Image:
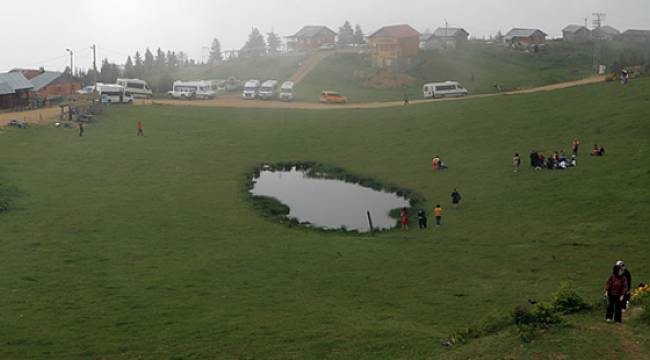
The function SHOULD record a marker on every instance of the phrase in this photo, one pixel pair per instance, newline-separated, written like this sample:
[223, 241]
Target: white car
[86, 90]
[192, 90]
[328, 46]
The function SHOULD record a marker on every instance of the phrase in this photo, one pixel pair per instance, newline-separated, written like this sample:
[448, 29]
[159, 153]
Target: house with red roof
[394, 46]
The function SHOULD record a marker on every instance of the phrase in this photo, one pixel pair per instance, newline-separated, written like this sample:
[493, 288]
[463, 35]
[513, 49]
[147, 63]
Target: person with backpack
[438, 212]
[455, 198]
[422, 219]
[628, 276]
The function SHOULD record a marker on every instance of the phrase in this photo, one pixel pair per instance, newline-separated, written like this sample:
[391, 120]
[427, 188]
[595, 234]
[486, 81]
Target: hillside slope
[124, 247]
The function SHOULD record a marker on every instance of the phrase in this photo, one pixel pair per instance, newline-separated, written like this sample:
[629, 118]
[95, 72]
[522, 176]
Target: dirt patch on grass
[39, 116]
[384, 79]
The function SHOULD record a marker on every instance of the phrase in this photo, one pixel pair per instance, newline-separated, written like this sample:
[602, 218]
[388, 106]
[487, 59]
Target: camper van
[251, 87]
[442, 89]
[192, 90]
[113, 94]
[137, 87]
[286, 91]
[269, 90]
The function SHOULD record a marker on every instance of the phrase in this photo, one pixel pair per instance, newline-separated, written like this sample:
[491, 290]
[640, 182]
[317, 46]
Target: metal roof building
[44, 79]
[14, 81]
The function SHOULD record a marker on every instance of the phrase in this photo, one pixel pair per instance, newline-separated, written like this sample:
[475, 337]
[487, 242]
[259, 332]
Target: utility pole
[94, 49]
[71, 68]
[71, 71]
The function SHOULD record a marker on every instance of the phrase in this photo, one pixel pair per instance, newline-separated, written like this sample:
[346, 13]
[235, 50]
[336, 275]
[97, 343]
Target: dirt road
[49, 115]
[234, 101]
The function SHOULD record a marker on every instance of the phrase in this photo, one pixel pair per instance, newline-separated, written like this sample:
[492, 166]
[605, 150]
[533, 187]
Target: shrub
[567, 301]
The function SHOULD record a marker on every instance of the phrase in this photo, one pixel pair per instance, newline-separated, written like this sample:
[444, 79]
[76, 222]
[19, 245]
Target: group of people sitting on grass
[558, 160]
[598, 151]
[437, 163]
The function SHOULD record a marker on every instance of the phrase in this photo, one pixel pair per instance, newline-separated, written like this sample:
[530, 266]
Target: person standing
[628, 277]
[81, 129]
[139, 126]
[516, 162]
[405, 219]
[438, 212]
[615, 289]
[455, 198]
[575, 144]
[422, 219]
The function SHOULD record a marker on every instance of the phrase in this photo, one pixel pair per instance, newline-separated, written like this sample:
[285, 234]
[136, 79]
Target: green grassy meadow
[119, 247]
[477, 66]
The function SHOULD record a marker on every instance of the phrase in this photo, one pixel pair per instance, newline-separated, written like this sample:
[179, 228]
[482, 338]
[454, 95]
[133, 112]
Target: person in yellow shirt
[438, 212]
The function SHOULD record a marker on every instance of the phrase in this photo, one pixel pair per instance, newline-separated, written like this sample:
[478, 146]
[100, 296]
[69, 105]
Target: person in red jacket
[405, 219]
[615, 289]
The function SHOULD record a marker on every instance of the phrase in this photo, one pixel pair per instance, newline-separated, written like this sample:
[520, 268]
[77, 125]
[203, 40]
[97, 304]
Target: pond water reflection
[328, 203]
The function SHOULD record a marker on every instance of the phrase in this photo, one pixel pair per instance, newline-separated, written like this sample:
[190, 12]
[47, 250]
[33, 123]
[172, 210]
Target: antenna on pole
[599, 19]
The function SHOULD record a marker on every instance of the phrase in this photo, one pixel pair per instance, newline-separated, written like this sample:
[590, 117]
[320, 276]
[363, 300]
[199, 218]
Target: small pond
[328, 203]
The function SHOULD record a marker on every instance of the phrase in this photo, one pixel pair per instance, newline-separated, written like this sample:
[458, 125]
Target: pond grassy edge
[274, 209]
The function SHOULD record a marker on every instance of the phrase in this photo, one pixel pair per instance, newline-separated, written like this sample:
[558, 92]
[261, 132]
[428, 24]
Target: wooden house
[576, 33]
[524, 38]
[15, 90]
[311, 37]
[394, 46]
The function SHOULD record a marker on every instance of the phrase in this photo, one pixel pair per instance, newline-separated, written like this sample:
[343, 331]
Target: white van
[441, 89]
[286, 91]
[269, 90]
[192, 90]
[251, 87]
[113, 94]
[137, 87]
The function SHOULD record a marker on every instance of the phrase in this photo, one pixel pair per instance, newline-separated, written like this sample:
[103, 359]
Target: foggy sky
[36, 33]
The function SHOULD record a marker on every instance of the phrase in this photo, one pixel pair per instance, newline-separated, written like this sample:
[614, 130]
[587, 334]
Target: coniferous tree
[129, 68]
[346, 34]
[148, 62]
[273, 41]
[160, 61]
[138, 66]
[215, 52]
[255, 46]
[359, 37]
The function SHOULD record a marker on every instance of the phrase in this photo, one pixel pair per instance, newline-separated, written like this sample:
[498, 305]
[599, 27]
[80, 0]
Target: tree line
[157, 68]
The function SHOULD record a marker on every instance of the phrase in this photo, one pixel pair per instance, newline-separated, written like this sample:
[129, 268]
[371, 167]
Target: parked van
[442, 89]
[269, 90]
[332, 97]
[137, 87]
[192, 90]
[113, 94]
[286, 91]
[251, 87]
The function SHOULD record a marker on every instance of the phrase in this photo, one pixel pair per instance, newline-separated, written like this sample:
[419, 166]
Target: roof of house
[574, 28]
[607, 30]
[14, 81]
[396, 31]
[6, 89]
[637, 32]
[523, 33]
[448, 32]
[313, 30]
[44, 79]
